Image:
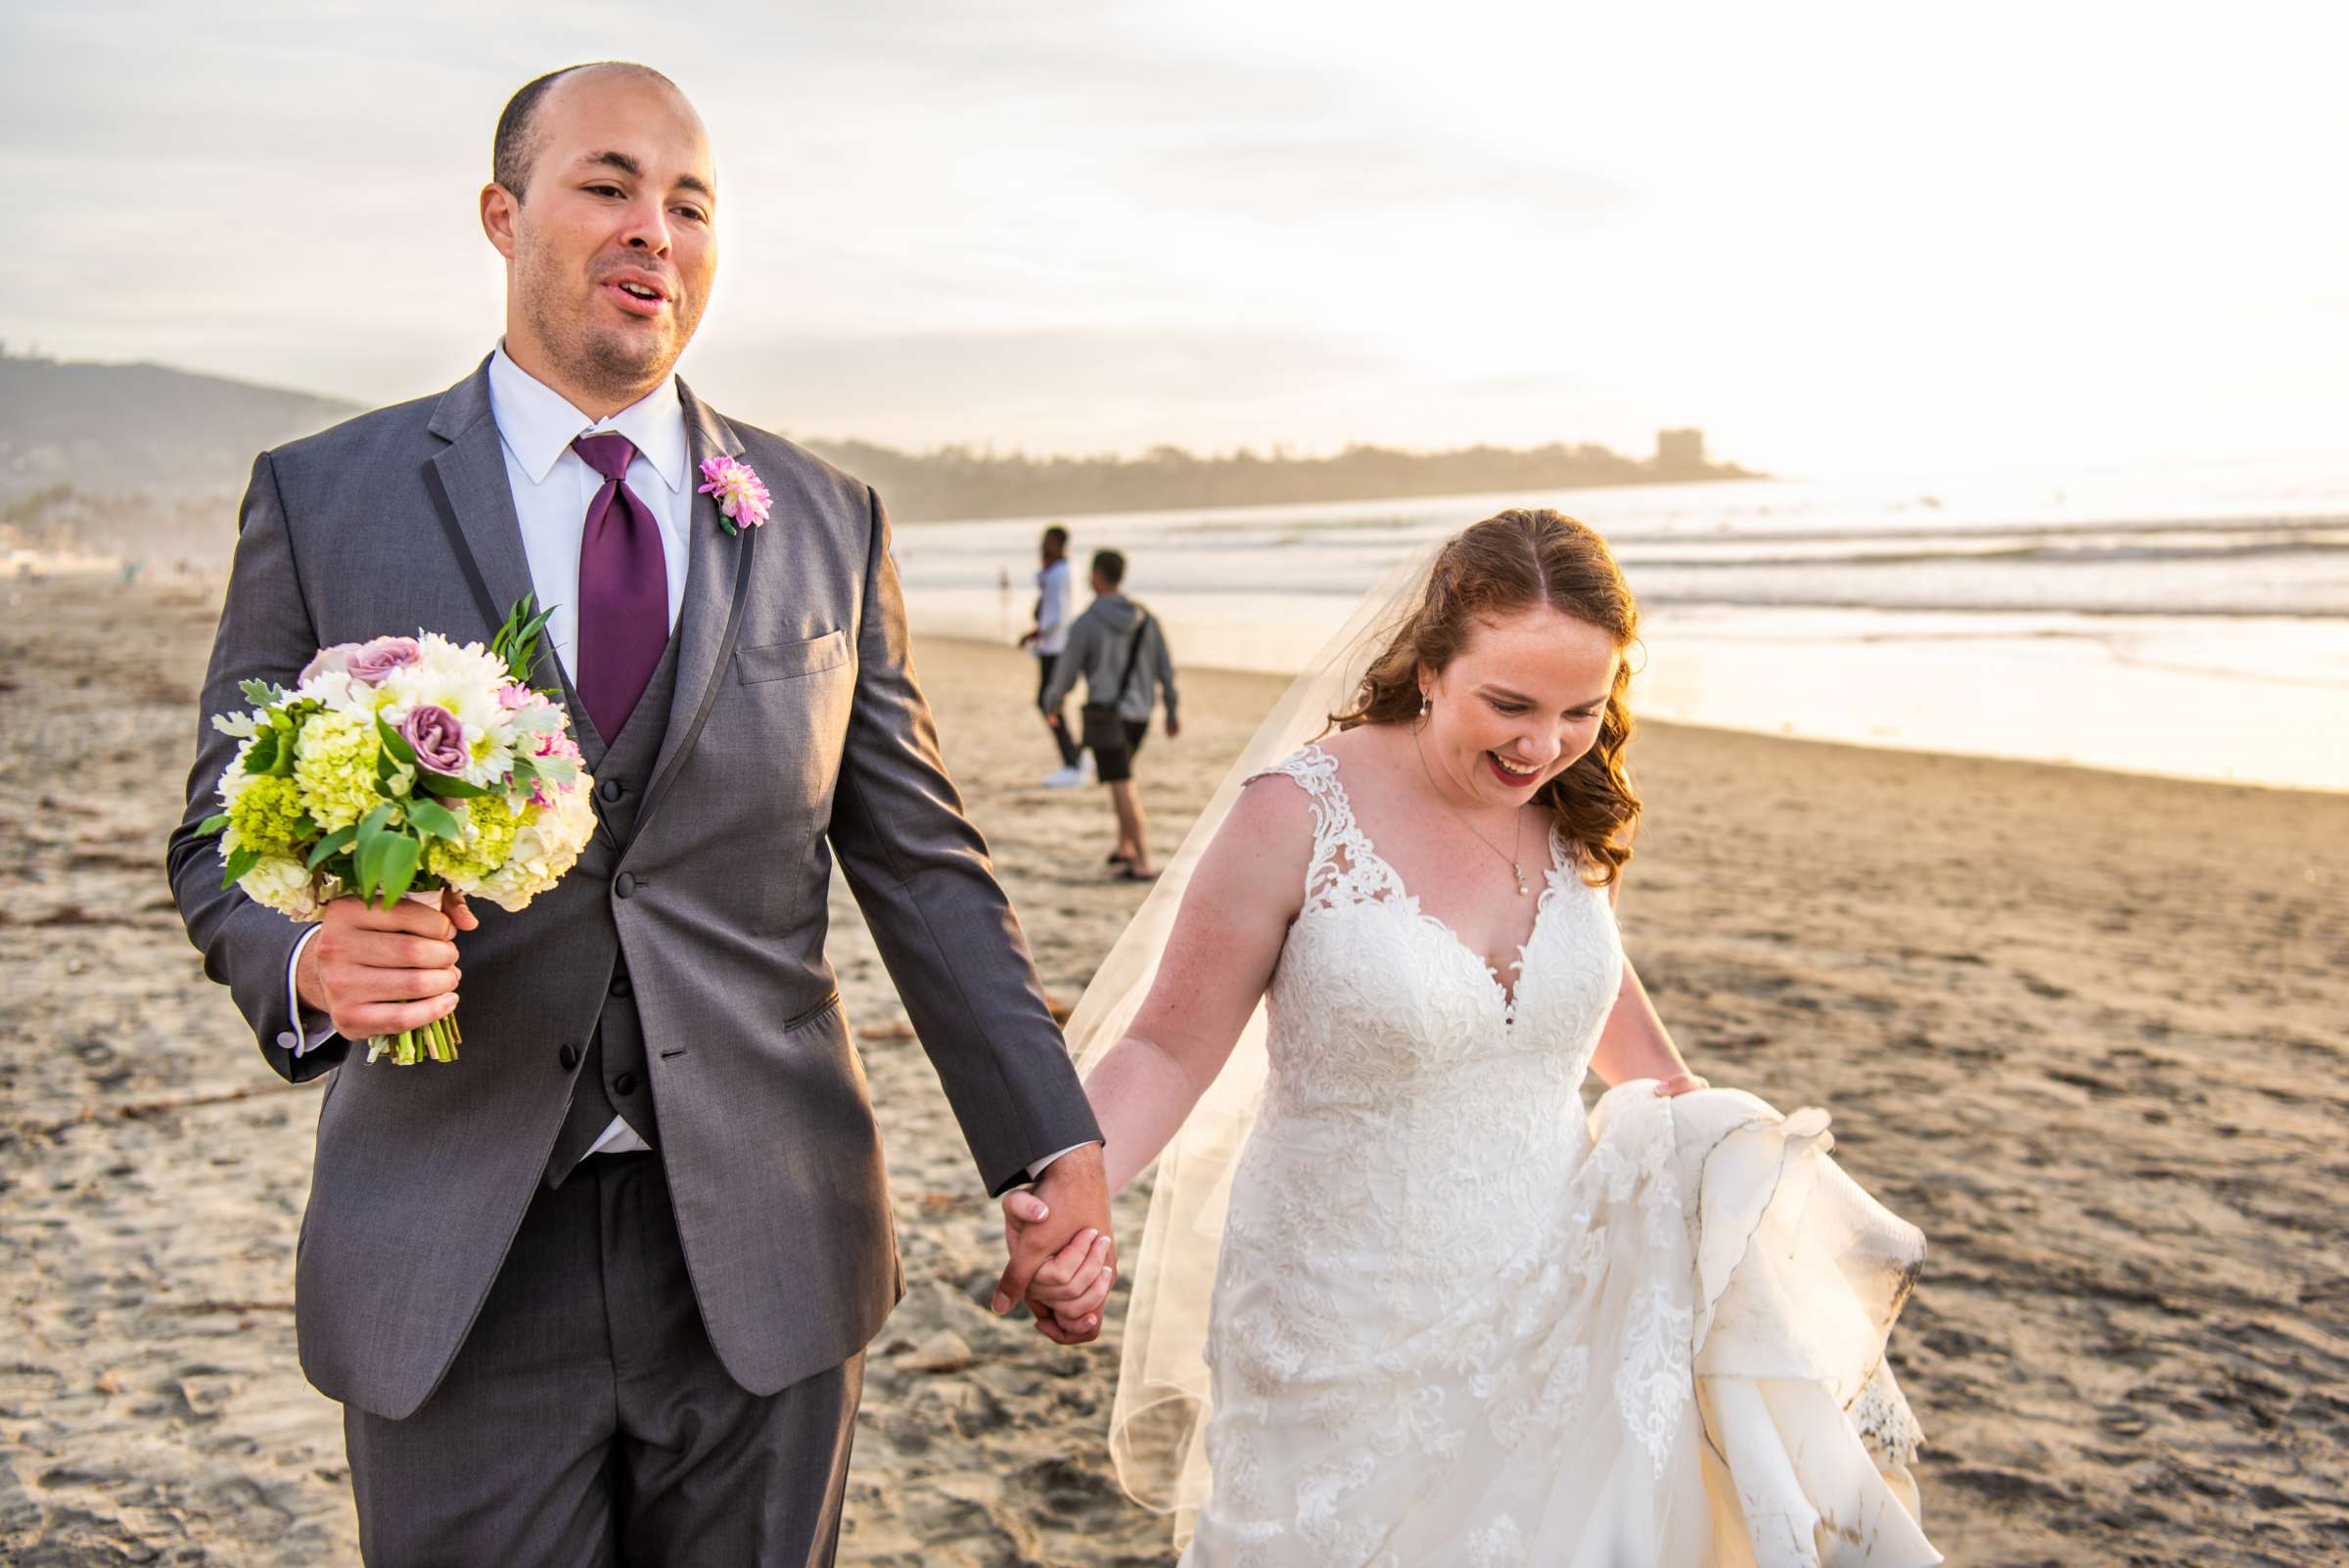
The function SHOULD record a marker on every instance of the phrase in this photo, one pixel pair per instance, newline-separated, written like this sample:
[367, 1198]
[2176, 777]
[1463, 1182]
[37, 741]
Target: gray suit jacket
[796, 735]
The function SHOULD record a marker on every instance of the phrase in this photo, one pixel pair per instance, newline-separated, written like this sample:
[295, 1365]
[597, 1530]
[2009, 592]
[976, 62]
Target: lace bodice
[1377, 1008]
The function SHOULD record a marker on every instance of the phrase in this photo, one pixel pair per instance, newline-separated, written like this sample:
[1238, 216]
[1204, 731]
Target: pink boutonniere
[742, 499]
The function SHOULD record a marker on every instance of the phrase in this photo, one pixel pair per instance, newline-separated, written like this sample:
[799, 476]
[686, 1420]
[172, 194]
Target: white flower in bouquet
[282, 883]
[545, 845]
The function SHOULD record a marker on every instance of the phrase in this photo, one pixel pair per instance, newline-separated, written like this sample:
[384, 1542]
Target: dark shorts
[1115, 766]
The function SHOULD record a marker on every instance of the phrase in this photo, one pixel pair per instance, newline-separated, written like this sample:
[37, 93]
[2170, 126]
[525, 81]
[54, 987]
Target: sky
[1842, 239]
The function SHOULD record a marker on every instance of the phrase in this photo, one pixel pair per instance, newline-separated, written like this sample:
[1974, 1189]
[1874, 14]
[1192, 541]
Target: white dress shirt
[552, 487]
[1054, 593]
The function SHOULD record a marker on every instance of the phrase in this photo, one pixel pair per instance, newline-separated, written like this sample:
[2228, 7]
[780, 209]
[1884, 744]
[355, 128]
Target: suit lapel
[717, 572]
[471, 471]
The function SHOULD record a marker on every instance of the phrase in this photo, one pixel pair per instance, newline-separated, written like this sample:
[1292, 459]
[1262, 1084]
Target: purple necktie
[623, 590]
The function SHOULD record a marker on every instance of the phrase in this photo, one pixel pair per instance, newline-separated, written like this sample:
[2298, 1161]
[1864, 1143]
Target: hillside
[955, 481]
[141, 461]
[147, 462]
[120, 427]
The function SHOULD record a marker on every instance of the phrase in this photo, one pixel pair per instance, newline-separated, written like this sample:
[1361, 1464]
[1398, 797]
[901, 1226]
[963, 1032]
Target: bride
[1400, 1301]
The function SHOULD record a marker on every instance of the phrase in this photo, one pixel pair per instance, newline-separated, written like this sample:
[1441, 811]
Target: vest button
[620, 985]
[611, 790]
[626, 885]
[569, 1057]
[625, 1083]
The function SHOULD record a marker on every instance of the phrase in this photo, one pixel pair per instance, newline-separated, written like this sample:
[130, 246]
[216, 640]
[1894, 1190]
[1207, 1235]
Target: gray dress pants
[586, 1421]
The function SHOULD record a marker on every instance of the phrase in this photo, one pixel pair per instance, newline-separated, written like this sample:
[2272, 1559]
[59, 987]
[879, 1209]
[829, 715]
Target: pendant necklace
[1516, 862]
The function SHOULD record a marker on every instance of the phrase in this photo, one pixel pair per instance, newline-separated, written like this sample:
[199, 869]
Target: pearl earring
[1423, 704]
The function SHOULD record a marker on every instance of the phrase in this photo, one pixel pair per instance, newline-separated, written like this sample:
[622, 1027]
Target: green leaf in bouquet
[431, 816]
[394, 742]
[303, 826]
[447, 786]
[212, 825]
[332, 845]
[240, 862]
[362, 849]
[517, 641]
[388, 866]
[557, 769]
[263, 756]
[364, 835]
[261, 692]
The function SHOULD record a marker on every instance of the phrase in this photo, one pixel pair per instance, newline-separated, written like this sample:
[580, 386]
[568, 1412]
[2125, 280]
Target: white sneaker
[1065, 778]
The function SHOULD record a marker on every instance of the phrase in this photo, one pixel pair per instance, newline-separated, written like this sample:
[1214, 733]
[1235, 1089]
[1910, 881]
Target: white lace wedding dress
[1458, 1321]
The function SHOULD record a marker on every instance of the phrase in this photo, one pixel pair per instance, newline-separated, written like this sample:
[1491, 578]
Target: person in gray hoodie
[1121, 652]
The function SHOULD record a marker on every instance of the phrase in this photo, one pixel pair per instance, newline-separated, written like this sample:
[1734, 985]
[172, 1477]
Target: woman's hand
[1679, 1084]
[1069, 1290]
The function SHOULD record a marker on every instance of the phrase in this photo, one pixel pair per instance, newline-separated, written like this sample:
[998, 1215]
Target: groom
[601, 1290]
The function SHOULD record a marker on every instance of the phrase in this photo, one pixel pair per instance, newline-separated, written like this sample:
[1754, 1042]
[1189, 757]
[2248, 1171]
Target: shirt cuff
[1041, 1166]
[310, 1030]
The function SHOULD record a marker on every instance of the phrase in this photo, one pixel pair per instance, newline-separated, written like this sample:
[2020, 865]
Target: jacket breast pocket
[788, 661]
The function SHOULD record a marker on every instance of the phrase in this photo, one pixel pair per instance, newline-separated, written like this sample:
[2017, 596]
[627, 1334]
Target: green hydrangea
[262, 814]
[333, 763]
[490, 821]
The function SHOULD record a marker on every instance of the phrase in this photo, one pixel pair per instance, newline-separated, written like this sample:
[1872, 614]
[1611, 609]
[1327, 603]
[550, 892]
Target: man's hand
[1071, 1198]
[381, 971]
[1173, 727]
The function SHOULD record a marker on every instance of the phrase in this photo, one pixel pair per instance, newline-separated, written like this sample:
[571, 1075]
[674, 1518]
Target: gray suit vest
[612, 1078]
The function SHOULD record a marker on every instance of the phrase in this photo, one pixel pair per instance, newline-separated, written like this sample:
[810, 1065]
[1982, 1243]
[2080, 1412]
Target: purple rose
[336, 659]
[369, 664]
[439, 739]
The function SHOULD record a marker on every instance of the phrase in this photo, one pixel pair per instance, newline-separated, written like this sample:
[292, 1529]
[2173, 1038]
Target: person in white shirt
[1049, 639]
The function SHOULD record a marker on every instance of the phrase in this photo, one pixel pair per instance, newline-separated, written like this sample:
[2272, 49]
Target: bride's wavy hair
[1518, 560]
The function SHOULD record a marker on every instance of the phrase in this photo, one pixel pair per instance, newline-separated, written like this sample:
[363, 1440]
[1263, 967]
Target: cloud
[1285, 177]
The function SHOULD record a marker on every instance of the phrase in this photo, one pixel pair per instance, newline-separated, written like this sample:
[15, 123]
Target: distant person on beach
[1049, 637]
[1119, 648]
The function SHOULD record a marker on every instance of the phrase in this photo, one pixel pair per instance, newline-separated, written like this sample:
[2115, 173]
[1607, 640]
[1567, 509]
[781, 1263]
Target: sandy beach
[2090, 1031]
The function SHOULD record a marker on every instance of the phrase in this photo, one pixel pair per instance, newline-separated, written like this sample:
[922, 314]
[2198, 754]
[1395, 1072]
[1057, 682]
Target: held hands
[1063, 1253]
[381, 971]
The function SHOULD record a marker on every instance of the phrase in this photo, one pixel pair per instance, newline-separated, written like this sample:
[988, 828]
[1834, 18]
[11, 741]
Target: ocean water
[2188, 620]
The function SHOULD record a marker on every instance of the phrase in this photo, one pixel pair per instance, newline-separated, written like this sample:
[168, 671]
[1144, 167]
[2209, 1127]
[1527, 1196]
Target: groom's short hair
[1108, 566]
[515, 147]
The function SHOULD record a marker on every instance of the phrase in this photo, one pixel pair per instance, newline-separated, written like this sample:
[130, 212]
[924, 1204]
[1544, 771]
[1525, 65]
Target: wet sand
[2090, 1031]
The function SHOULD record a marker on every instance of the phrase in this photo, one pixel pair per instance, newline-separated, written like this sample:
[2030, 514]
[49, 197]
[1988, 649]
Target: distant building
[1681, 452]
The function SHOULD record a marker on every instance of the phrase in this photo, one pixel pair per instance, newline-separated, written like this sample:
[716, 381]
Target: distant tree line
[956, 482]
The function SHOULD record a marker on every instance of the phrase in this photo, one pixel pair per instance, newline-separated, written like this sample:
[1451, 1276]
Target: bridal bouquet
[398, 767]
